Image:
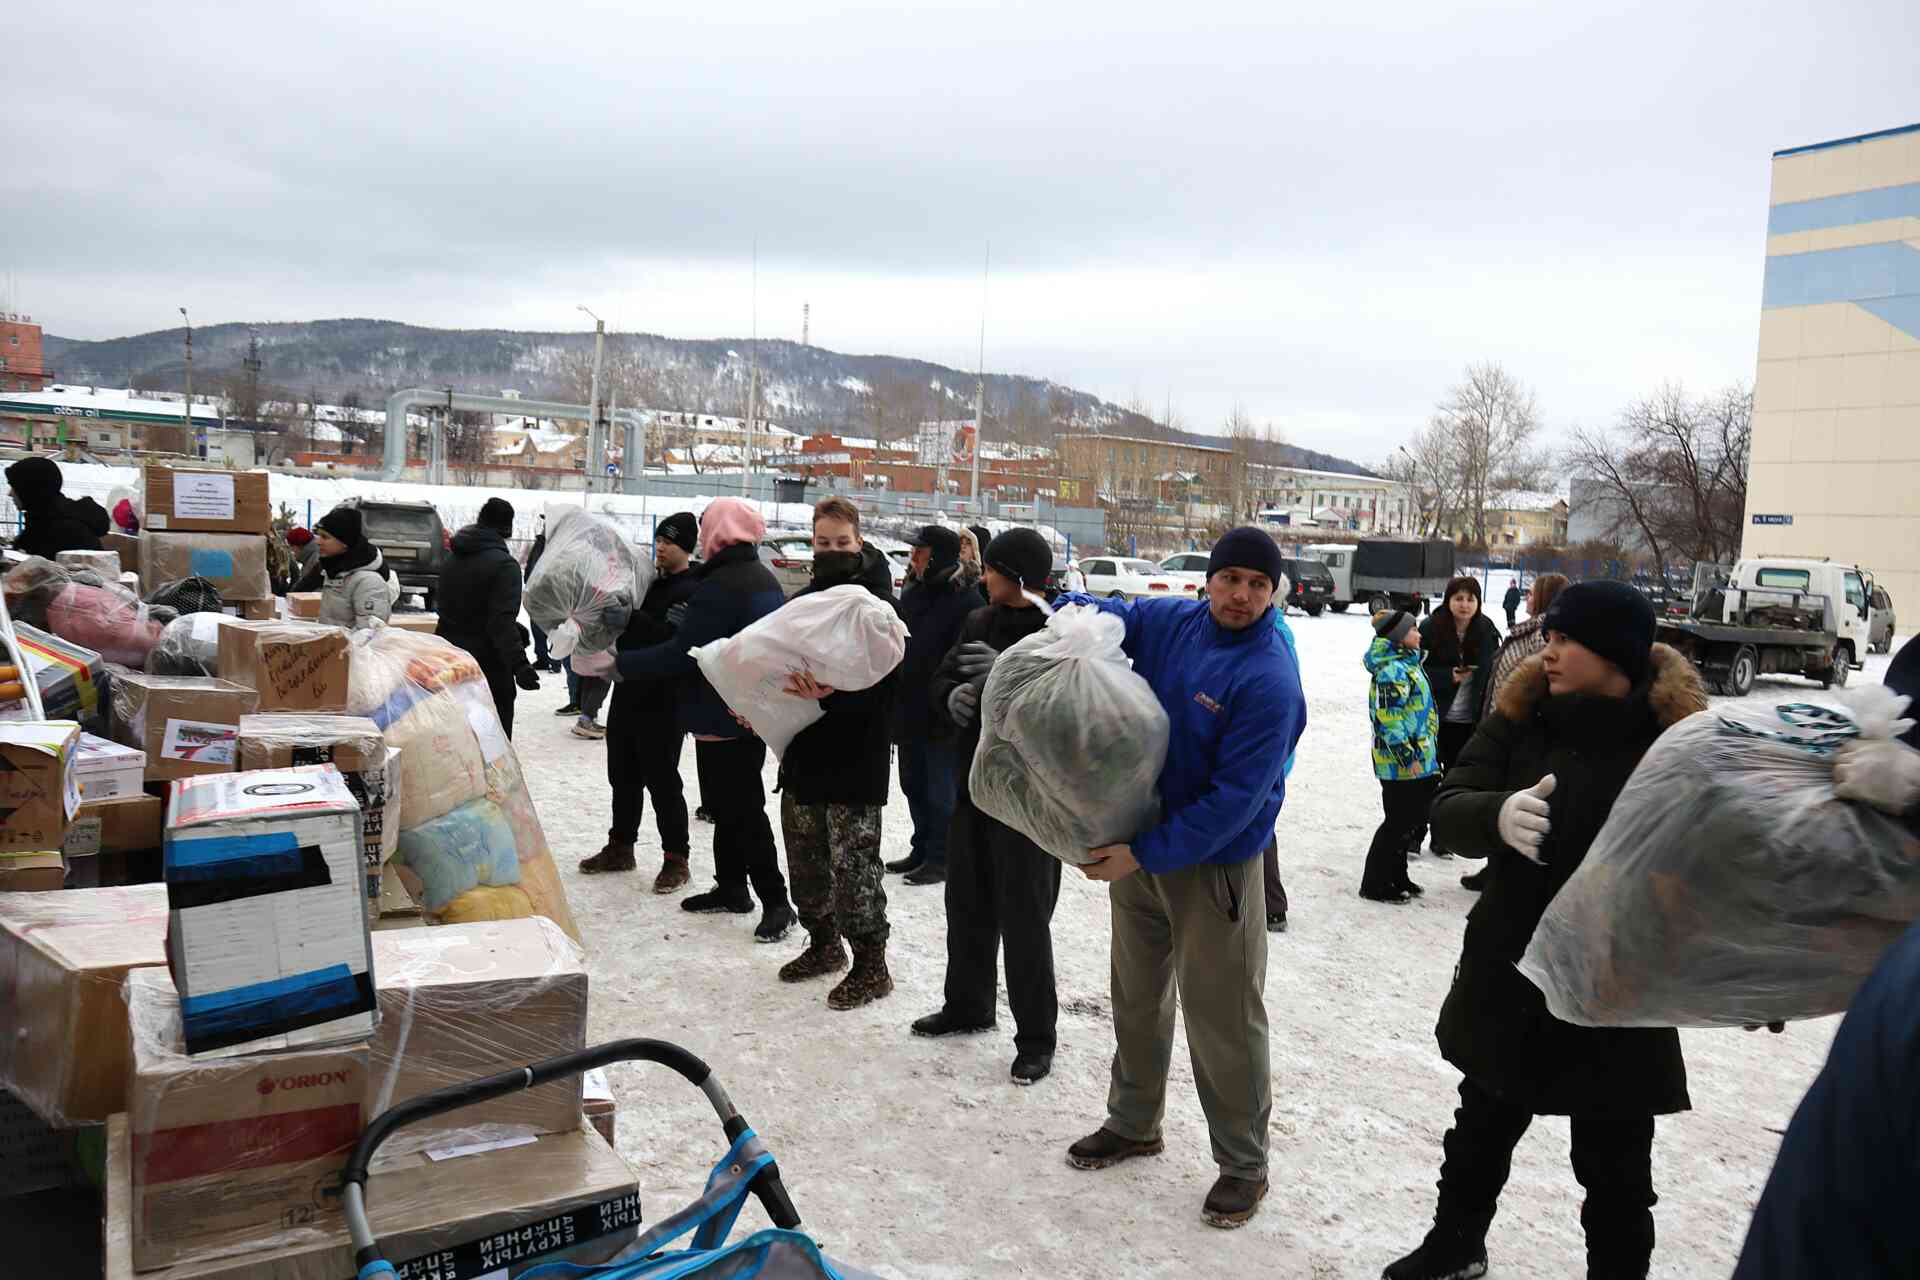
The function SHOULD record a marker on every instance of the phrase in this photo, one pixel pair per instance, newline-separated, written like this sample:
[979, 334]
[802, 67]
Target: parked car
[1119, 576]
[790, 557]
[898, 555]
[1189, 567]
[412, 541]
[1310, 585]
[1880, 636]
[1066, 576]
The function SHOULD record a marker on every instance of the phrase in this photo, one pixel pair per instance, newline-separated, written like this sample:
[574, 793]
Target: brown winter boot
[824, 955]
[673, 874]
[868, 982]
[612, 857]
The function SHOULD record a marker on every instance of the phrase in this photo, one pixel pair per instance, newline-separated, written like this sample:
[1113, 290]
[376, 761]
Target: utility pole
[980, 392]
[188, 444]
[438, 463]
[753, 379]
[594, 446]
[806, 324]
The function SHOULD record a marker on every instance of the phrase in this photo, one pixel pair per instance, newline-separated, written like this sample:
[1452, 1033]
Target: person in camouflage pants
[834, 869]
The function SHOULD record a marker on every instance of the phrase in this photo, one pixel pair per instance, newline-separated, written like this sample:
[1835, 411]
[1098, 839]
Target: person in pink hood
[735, 591]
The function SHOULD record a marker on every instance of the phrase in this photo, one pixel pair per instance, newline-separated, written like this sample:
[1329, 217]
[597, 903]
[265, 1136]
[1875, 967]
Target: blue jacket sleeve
[706, 620]
[1265, 722]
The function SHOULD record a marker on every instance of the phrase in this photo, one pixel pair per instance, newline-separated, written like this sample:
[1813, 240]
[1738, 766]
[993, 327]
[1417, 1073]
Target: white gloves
[1883, 774]
[1523, 819]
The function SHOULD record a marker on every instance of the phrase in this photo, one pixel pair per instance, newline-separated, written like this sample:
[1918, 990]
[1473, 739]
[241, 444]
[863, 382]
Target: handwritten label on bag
[200, 495]
[199, 742]
[83, 838]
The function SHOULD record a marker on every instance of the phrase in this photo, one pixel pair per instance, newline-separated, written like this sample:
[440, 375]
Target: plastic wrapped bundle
[587, 584]
[430, 701]
[1731, 886]
[1071, 740]
[107, 620]
[845, 637]
[188, 646]
[31, 586]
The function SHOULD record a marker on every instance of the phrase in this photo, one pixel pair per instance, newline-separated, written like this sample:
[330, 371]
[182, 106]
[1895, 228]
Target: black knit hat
[35, 479]
[497, 515]
[981, 536]
[943, 542]
[682, 529]
[1248, 548]
[1610, 618]
[1023, 555]
[343, 523]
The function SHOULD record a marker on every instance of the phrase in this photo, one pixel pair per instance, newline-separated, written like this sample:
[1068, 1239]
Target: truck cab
[1338, 558]
[1776, 614]
[1777, 586]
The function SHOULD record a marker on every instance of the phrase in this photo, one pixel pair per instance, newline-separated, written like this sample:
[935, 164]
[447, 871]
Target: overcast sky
[1319, 216]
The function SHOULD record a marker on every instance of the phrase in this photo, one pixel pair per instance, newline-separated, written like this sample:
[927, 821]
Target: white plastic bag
[1730, 885]
[844, 637]
[1071, 740]
[587, 584]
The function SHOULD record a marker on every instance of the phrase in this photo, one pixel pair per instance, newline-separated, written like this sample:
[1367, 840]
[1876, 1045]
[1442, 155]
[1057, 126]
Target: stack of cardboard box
[212, 524]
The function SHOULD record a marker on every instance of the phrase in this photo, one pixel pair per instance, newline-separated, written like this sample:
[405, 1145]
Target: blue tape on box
[233, 855]
[299, 1000]
[208, 562]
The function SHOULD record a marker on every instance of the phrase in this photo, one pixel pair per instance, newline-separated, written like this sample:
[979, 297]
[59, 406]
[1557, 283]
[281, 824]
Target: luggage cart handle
[766, 1184]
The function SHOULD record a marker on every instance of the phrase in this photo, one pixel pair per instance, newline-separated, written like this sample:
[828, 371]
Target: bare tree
[469, 442]
[1484, 436]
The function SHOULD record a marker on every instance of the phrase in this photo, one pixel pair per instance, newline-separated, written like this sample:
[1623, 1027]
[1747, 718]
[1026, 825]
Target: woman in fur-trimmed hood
[1529, 793]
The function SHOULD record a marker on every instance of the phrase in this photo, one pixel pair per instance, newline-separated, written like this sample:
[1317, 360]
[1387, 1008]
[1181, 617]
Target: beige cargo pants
[1202, 932]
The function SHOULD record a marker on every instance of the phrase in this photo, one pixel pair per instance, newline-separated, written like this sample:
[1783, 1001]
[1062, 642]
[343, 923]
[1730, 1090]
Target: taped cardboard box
[234, 563]
[481, 1216]
[105, 769]
[38, 788]
[227, 1150]
[200, 500]
[427, 624]
[295, 666]
[267, 920]
[303, 604]
[259, 610]
[351, 744]
[114, 842]
[461, 1001]
[62, 958]
[187, 725]
[124, 545]
[40, 872]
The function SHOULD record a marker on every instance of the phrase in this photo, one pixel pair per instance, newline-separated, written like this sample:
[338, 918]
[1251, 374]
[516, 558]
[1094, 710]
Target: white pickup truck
[1775, 615]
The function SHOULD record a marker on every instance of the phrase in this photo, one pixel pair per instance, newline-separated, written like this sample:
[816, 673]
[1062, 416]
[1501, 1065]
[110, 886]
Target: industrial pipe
[401, 402]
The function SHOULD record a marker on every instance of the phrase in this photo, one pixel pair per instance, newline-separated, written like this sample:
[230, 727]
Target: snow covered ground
[919, 1158]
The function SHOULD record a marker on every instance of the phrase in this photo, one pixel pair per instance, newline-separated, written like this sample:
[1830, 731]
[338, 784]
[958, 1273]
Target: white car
[1189, 567]
[1117, 577]
[898, 554]
[790, 557]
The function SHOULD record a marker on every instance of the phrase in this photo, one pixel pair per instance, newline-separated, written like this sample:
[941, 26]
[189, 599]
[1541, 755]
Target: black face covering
[835, 566]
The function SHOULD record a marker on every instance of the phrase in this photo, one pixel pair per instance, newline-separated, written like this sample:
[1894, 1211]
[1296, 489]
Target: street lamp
[1413, 482]
[187, 443]
[593, 405]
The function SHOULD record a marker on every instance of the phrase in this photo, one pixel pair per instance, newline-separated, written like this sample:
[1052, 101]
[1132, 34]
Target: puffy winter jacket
[354, 599]
[845, 756]
[735, 590]
[60, 523]
[1405, 732]
[1237, 712]
[479, 597]
[934, 613]
[1495, 1026]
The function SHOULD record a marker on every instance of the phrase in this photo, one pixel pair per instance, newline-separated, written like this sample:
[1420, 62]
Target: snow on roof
[1525, 500]
[110, 400]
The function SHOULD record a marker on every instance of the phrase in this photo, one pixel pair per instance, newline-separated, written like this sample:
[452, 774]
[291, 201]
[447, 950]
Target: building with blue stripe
[1836, 401]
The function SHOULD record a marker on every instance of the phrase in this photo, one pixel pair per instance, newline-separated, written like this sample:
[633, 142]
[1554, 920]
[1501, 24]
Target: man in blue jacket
[1188, 896]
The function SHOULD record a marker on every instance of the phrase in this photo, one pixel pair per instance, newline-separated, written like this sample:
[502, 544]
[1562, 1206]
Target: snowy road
[918, 1158]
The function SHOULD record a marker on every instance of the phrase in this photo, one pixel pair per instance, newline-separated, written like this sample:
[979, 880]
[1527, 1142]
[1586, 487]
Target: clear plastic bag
[845, 637]
[80, 606]
[587, 584]
[1071, 740]
[1730, 885]
[188, 646]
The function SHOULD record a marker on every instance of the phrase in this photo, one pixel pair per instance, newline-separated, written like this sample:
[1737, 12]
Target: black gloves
[675, 613]
[963, 704]
[976, 658]
[526, 677]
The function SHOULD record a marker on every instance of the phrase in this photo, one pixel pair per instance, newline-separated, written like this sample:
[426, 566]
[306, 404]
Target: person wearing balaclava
[735, 590]
[937, 600]
[51, 522]
[350, 575]
[643, 738]
[479, 598]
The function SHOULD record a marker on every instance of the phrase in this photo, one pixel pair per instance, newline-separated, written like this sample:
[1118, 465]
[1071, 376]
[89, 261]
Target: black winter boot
[1104, 1147]
[1443, 1255]
[1233, 1201]
[612, 857]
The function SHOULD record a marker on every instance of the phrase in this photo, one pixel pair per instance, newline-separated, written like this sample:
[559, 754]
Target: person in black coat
[542, 660]
[1511, 603]
[833, 780]
[643, 738]
[1001, 887]
[51, 522]
[934, 605]
[1459, 642]
[479, 597]
[1529, 793]
[734, 591]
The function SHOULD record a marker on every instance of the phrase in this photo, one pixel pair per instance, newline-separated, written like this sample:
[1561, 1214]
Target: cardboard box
[38, 789]
[201, 500]
[126, 546]
[424, 623]
[70, 676]
[228, 1150]
[187, 725]
[32, 872]
[62, 956]
[34, 1156]
[105, 769]
[105, 563]
[295, 666]
[236, 563]
[351, 744]
[267, 920]
[461, 1001]
[114, 842]
[597, 1102]
[481, 1216]
[267, 610]
[303, 604]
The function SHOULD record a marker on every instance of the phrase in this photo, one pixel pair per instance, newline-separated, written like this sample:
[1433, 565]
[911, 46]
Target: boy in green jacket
[1405, 753]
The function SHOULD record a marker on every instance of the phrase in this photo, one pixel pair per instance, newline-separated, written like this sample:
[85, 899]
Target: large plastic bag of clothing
[587, 584]
[464, 802]
[80, 606]
[845, 637]
[1071, 740]
[1731, 886]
